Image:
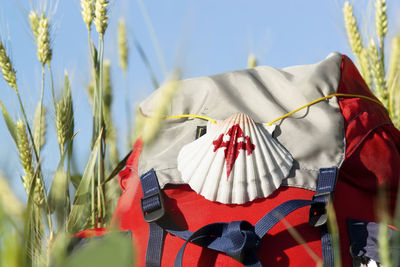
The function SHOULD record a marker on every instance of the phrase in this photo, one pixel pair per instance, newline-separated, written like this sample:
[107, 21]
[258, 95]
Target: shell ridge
[210, 181]
[252, 183]
[260, 187]
[187, 158]
[279, 147]
[263, 175]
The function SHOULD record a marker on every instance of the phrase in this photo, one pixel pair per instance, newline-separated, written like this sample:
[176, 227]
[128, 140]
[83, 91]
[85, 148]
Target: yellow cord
[191, 116]
[321, 99]
[287, 114]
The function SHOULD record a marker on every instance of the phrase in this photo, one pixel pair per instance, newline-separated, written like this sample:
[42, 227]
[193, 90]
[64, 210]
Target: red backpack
[183, 224]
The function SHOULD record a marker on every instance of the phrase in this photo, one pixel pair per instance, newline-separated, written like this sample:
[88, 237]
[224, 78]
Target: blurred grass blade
[252, 61]
[384, 245]
[80, 212]
[396, 237]
[11, 218]
[117, 168]
[163, 101]
[114, 249]
[59, 249]
[146, 62]
[76, 180]
[334, 231]
[96, 104]
[33, 229]
[11, 250]
[59, 191]
[12, 207]
[300, 240]
[153, 36]
[9, 122]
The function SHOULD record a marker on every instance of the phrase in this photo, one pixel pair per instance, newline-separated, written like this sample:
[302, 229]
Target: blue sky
[201, 37]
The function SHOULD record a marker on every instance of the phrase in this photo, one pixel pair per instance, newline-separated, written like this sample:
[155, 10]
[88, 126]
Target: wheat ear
[394, 61]
[381, 22]
[87, 12]
[25, 156]
[101, 16]
[353, 33]
[34, 23]
[365, 67]
[44, 51]
[378, 73]
[65, 117]
[7, 68]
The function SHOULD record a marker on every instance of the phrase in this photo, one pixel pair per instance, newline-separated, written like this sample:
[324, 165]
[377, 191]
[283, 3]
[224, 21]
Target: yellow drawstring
[287, 114]
[321, 99]
[191, 116]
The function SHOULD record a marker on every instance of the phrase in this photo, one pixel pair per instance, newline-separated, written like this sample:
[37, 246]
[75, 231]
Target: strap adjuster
[318, 212]
[152, 207]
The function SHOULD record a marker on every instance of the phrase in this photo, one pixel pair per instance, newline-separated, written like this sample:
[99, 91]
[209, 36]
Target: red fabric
[91, 232]
[372, 159]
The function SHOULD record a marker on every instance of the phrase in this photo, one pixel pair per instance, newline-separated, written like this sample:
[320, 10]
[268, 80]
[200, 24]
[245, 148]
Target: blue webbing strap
[318, 216]
[327, 247]
[238, 239]
[153, 210]
[274, 216]
[262, 226]
[154, 245]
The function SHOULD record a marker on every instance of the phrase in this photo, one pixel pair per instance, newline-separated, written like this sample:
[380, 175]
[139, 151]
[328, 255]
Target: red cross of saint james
[233, 147]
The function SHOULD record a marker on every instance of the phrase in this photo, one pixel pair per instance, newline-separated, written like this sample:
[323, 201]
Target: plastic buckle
[154, 214]
[318, 213]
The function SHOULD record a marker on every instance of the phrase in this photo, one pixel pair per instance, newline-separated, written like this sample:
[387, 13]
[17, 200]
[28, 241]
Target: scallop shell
[236, 161]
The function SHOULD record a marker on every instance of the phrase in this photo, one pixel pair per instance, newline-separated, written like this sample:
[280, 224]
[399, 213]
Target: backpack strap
[318, 214]
[238, 239]
[153, 210]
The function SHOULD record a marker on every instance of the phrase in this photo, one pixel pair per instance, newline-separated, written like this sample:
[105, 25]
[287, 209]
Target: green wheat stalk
[40, 126]
[123, 52]
[123, 48]
[110, 128]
